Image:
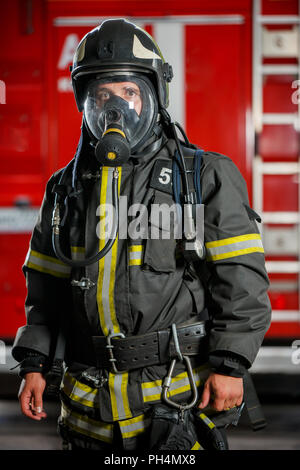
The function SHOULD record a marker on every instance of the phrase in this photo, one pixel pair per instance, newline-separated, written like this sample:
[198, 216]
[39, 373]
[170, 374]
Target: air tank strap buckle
[85, 283]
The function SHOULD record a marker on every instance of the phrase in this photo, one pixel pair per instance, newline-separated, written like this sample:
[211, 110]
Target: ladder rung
[280, 118]
[285, 316]
[283, 266]
[277, 168]
[280, 69]
[278, 19]
[280, 217]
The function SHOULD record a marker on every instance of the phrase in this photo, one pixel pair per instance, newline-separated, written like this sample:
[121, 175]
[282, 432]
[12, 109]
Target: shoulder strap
[193, 161]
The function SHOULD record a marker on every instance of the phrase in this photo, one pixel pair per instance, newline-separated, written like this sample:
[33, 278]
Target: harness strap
[253, 406]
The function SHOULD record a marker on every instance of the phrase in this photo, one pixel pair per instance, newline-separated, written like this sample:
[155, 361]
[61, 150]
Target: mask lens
[127, 102]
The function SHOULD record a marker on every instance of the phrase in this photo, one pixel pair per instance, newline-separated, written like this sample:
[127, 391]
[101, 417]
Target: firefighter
[154, 337]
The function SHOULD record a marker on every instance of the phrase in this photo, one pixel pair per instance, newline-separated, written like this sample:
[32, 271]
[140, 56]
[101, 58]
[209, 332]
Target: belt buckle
[110, 347]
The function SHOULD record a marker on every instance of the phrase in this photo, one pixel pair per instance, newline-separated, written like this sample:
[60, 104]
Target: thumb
[38, 403]
[205, 396]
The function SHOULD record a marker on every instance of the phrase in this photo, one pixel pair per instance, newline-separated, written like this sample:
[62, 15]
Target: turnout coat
[142, 285]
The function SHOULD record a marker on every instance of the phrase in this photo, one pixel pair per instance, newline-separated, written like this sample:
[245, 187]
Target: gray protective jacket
[143, 285]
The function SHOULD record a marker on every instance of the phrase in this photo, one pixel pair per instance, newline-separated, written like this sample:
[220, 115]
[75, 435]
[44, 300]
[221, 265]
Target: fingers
[37, 405]
[205, 396]
[222, 392]
[31, 399]
[26, 402]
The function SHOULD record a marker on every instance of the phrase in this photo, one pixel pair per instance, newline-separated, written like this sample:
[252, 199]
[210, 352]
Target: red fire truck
[236, 90]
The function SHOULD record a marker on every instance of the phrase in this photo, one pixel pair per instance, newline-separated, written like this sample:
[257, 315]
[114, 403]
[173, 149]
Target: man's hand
[222, 392]
[31, 396]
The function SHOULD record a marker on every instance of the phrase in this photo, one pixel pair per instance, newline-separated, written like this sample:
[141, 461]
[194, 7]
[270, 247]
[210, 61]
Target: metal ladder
[261, 168]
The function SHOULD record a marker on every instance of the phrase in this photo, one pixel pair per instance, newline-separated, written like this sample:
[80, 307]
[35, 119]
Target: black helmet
[119, 45]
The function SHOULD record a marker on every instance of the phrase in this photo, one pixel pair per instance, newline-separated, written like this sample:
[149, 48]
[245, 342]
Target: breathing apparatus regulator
[120, 82]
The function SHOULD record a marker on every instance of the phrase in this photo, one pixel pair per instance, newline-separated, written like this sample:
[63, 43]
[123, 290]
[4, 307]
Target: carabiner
[167, 384]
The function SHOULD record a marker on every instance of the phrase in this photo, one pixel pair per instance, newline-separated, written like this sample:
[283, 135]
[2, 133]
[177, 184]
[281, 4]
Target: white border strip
[285, 316]
[162, 33]
[276, 360]
[197, 19]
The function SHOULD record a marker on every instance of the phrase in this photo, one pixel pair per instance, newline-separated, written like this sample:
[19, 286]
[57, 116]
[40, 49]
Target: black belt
[121, 353]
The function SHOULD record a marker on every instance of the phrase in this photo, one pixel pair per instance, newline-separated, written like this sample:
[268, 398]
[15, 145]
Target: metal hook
[177, 347]
[167, 384]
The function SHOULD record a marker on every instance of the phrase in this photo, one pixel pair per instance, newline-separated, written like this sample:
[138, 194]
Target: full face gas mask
[120, 112]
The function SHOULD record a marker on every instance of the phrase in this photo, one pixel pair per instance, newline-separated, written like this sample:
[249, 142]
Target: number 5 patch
[162, 176]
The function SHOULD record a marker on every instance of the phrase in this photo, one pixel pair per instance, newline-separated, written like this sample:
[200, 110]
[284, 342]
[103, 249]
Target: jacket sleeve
[47, 282]
[237, 279]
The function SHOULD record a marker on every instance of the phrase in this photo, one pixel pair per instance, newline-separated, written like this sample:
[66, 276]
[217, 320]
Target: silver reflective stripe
[179, 384]
[107, 264]
[118, 396]
[79, 392]
[46, 264]
[234, 246]
[78, 253]
[133, 427]
[135, 255]
[87, 426]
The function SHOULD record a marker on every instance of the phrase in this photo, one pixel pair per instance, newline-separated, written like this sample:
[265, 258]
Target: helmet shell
[119, 45]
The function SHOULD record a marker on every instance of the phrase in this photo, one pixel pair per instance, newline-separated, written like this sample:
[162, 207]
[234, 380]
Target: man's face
[128, 91]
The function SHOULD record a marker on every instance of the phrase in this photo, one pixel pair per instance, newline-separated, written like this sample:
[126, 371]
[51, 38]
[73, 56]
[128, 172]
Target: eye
[131, 92]
[103, 95]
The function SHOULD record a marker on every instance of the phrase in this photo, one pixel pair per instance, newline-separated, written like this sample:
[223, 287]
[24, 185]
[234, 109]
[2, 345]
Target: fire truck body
[235, 90]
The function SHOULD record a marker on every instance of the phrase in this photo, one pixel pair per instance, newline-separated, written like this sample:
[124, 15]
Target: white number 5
[165, 177]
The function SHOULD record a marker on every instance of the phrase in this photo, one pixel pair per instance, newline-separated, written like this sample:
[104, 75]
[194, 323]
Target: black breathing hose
[56, 224]
[182, 161]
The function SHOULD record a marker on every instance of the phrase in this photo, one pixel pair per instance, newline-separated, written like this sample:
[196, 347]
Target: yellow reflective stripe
[101, 246]
[232, 254]
[46, 264]
[207, 421]
[118, 395]
[197, 446]
[87, 426]
[85, 388]
[79, 392]
[229, 241]
[78, 249]
[135, 255]
[135, 262]
[113, 274]
[134, 248]
[134, 426]
[46, 270]
[234, 246]
[107, 264]
[78, 252]
[176, 387]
